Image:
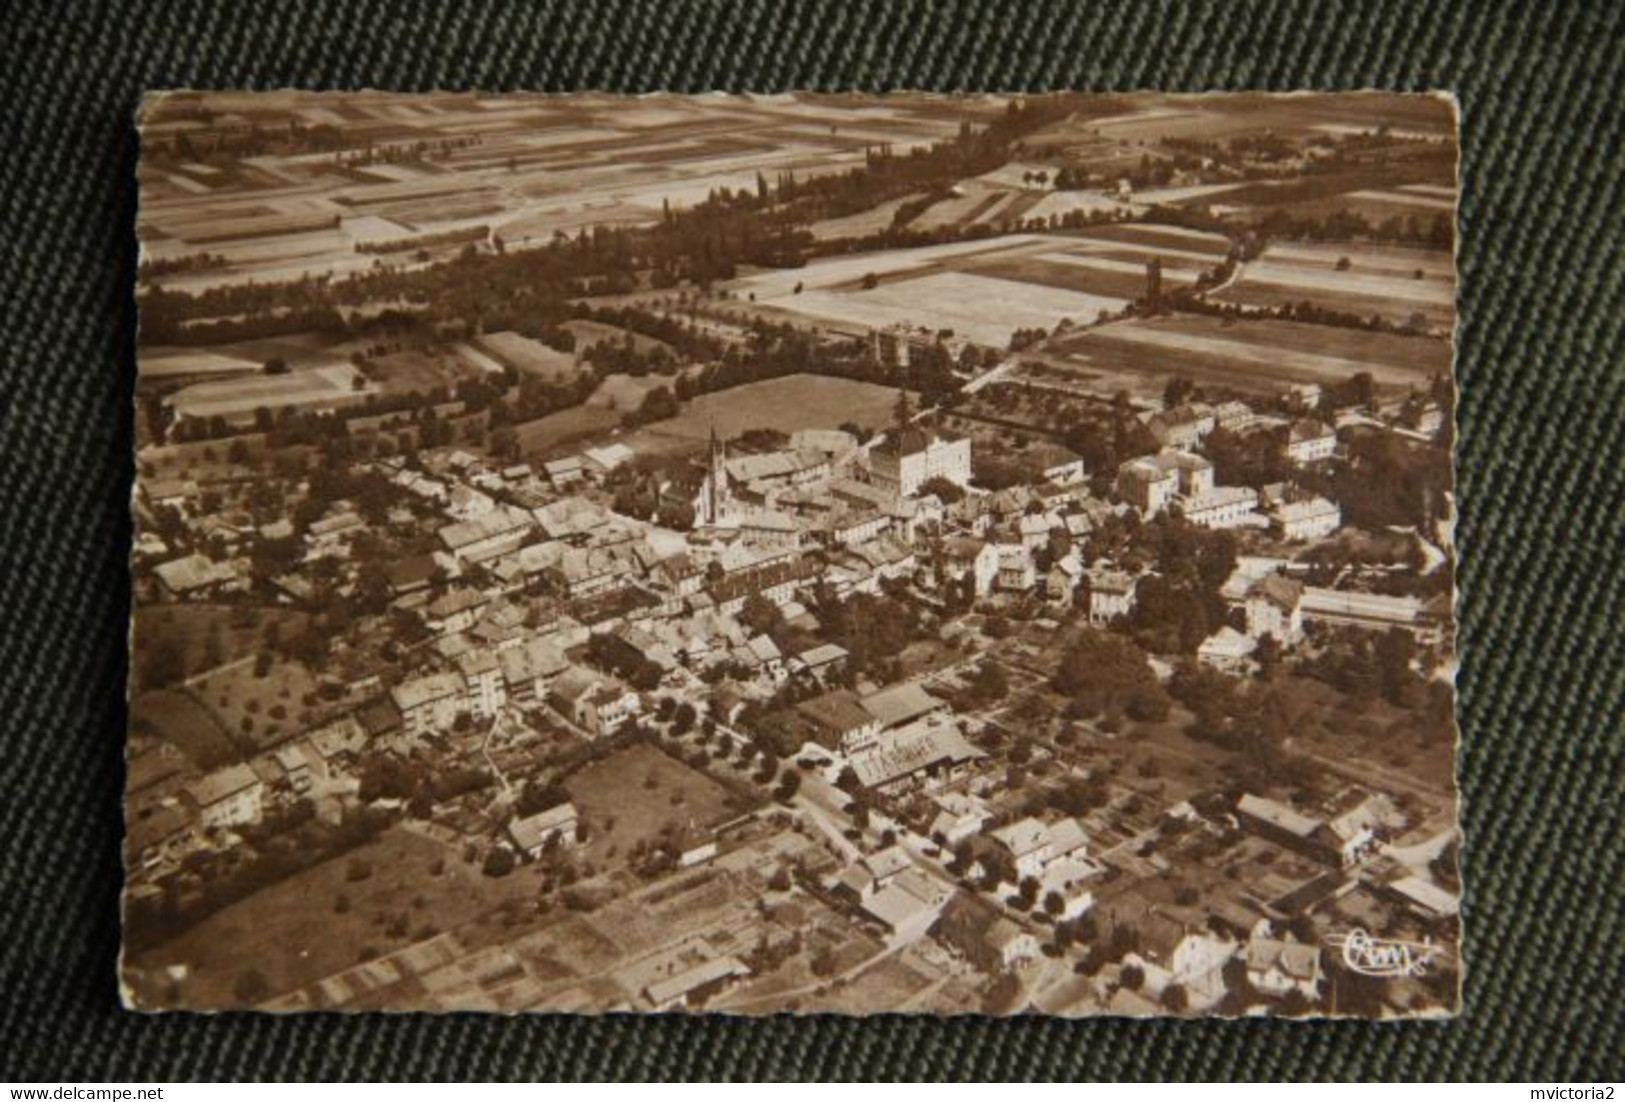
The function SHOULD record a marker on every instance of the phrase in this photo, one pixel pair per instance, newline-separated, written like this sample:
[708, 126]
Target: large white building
[911, 457]
[1310, 441]
[1307, 520]
[1153, 482]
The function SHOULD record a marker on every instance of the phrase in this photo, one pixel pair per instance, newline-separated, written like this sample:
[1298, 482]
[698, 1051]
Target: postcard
[798, 553]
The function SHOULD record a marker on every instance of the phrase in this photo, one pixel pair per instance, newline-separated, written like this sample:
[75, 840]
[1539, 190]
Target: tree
[870, 281]
[276, 365]
[499, 862]
[1132, 977]
[1175, 999]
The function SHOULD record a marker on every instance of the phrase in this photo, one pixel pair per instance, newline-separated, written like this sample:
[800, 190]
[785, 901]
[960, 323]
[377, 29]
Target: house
[409, 575]
[907, 905]
[457, 610]
[295, 766]
[770, 529]
[467, 503]
[1274, 606]
[839, 721]
[1278, 965]
[1311, 837]
[532, 834]
[563, 473]
[229, 797]
[1035, 847]
[498, 531]
[1182, 426]
[1306, 520]
[982, 935]
[1061, 585]
[1013, 945]
[1027, 843]
[962, 816]
[824, 663]
[1111, 594]
[1310, 441]
[971, 558]
[900, 705]
[1018, 572]
[330, 536]
[690, 988]
[1174, 951]
[528, 669]
[905, 759]
[428, 703]
[483, 686]
[1221, 507]
[764, 656]
[1227, 650]
[1426, 899]
[1234, 416]
[599, 462]
[1151, 483]
[195, 575]
[599, 705]
[909, 457]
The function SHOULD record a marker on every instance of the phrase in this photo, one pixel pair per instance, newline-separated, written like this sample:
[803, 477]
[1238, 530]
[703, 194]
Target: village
[828, 667]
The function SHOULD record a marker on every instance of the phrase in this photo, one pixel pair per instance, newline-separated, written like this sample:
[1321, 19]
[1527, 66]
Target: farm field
[786, 405]
[986, 309]
[863, 224]
[292, 943]
[626, 392]
[1255, 356]
[237, 399]
[589, 333]
[1377, 281]
[530, 357]
[984, 290]
[642, 790]
[541, 437]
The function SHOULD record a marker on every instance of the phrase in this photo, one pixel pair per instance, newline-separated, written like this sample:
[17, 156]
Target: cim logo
[1371, 956]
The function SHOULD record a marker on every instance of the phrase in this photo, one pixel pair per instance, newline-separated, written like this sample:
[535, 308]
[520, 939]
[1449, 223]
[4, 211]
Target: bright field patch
[985, 309]
[786, 405]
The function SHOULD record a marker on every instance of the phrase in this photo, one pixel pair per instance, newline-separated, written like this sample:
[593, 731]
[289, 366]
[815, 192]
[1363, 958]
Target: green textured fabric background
[1542, 488]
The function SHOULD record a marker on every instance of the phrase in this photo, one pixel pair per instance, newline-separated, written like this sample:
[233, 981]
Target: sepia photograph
[819, 553]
